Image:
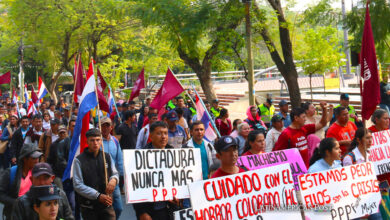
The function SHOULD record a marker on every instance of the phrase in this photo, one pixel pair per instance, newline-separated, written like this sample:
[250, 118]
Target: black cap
[29, 150]
[124, 104]
[215, 101]
[269, 101]
[45, 193]
[55, 121]
[42, 168]
[224, 143]
[344, 96]
[282, 103]
[276, 118]
[172, 115]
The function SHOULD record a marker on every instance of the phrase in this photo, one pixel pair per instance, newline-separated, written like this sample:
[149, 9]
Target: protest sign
[159, 175]
[380, 152]
[290, 156]
[184, 214]
[257, 194]
[350, 192]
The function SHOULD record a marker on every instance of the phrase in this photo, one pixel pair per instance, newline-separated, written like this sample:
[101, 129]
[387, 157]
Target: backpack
[350, 154]
[12, 175]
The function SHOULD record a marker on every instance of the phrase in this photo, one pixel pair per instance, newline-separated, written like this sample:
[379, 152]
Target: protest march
[169, 151]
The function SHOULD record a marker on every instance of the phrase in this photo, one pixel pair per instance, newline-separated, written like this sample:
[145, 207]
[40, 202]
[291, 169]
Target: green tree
[321, 52]
[199, 31]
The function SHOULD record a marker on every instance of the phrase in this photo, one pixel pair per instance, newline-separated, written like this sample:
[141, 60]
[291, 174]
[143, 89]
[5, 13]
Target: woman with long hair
[327, 156]
[357, 152]
[223, 123]
[255, 143]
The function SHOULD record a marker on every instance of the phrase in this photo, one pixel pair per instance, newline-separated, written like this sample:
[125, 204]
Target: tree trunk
[207, 85]
[291, 78]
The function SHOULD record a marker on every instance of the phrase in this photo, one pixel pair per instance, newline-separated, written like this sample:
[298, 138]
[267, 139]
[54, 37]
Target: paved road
[128, 211]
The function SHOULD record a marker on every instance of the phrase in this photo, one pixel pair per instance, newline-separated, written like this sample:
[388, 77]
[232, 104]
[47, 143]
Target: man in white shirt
[273, 134]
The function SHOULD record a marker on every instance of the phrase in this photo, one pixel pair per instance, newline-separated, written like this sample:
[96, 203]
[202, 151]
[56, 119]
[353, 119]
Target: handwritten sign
[257, 194]
[290, 156]
[380, 152]
[184, 214]
[159, 175]
[351, 192]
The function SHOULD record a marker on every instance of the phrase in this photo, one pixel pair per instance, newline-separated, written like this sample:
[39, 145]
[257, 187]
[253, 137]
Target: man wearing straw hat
[94, 179]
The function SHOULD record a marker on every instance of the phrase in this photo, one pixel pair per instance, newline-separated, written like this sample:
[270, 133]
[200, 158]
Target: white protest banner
[349, 192]
[184, 214]
[380, 152]
[159, 175]
[257, 194]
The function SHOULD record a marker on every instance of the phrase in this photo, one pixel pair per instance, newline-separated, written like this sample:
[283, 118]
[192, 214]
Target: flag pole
[74, 88]
[100, 128]
[207, 112]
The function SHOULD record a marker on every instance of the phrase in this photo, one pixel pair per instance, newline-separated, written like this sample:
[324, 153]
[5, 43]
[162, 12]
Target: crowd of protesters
[35, 149]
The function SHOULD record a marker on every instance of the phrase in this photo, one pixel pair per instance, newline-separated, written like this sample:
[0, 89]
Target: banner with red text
[289, 156]
[257, 194]
[349, 192]
[380, 152]
[159, 175]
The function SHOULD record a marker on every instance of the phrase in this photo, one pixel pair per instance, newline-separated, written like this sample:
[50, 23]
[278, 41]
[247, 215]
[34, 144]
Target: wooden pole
[74, 88]
[100, 128]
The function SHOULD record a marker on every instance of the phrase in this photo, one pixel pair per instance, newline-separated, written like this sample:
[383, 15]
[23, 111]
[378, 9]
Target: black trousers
[98, 214]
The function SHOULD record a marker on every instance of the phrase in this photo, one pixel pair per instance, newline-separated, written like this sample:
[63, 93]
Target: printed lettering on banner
[380, 152]
[160, 175]
[290, 156]
[258, 194]
[184, 214]
[343, 193]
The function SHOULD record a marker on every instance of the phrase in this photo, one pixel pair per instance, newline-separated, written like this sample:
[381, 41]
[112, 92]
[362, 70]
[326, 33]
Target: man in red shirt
[343, 130]
[227, 153]
[295, 135]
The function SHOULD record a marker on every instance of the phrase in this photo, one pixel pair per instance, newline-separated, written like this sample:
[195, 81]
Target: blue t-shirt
[322, 165]
[205, 161]
[178, 137]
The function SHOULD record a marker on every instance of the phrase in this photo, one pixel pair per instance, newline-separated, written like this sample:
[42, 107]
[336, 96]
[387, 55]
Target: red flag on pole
[369, 70]
[34, 96]
[170, 88]
[101, 85]
[138, 85]
[5, 78]
[78, 80]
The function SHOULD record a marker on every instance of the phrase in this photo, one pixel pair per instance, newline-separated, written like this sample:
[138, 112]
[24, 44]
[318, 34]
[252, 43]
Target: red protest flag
[5, 78]
[34, 96]
[101, 85]
[78, 80]
[170, 88]
[138, 85]
[369, 70]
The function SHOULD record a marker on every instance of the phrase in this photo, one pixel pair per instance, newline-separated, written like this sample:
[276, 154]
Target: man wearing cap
[15, 181]
[266, 111]
[66, 117]
[227, 153]
[92, 188]
[215, 109]
[273, 134]
[48, 138]
[42, 177]
[283, 107]
[112, 146]
[35, 132]
[176, 133]
[17, 139]
[344, 101]
[127, 131]
[143, 136]
[58, 154]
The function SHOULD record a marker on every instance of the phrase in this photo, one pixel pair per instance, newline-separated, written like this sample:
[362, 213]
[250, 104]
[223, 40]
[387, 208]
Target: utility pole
[251, 89]
[21, 70]
[346, 44]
